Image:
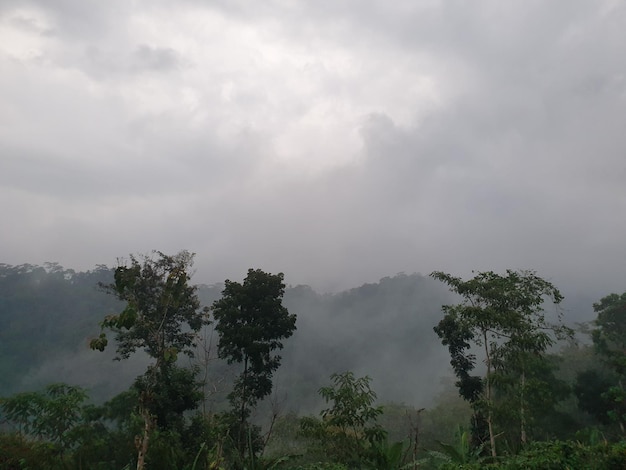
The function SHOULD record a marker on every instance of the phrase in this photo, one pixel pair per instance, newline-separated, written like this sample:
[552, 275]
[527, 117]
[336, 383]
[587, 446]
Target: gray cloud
[154, 58]
[337, 142]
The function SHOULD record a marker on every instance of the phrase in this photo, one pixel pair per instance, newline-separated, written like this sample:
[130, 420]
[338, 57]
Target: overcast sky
[337, 141]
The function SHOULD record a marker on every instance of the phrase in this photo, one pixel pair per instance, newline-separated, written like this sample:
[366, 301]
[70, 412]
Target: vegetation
[46, 311]
[502, 315]
[251, 322]
[550, 404]
[602, 390]
[347, 431]
[162, 316]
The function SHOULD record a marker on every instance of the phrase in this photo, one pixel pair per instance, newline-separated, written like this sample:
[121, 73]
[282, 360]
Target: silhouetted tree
[252, 322]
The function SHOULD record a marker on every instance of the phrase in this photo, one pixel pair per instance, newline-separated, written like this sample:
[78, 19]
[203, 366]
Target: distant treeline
[49, 313]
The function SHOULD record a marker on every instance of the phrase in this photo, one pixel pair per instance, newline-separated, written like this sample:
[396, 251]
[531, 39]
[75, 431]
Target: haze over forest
[48, 316]
[383, 330]
[337, 142]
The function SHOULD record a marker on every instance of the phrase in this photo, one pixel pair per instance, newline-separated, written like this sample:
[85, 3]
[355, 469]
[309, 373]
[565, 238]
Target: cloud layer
[337, 142]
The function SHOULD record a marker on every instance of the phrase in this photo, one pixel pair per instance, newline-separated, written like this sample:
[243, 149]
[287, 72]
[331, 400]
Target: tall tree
[252, 322]
[162, 316]
[503, 315]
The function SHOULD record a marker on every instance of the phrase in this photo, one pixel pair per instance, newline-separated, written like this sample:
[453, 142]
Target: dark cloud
[155, 58]
[77, 20]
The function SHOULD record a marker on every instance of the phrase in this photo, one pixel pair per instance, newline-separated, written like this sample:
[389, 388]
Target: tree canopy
[162, 313]
[252, 323]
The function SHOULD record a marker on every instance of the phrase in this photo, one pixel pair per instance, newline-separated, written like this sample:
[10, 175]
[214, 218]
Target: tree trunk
[620, 420]
[492, 438]
[522, 410]
[242, 419]
[142, 442]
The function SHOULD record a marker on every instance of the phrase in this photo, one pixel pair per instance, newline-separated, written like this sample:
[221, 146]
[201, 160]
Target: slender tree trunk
[492, 438]
[142, 442]
[522, 410]
[621, 421]
[242, 416]
[416, 438]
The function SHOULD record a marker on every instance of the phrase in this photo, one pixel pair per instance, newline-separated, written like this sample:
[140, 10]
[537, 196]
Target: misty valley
[137, 367]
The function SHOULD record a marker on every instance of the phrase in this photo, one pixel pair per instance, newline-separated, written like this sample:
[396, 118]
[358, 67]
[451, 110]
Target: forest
[137, 367]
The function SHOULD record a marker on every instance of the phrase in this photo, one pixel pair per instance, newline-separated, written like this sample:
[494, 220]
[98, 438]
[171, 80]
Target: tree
[590, 388]
[503, 315]
[609, 339]
[252, 322]
[56, 429]
[162, 316]
[348, 431]
[352, 407]
[56, 414]
[527, 392]
[609, 334]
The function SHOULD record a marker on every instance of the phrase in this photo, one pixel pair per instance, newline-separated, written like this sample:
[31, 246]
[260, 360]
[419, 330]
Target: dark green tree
[252, 323]
[162, 317]
[609, 334]
[609, 339]
[503, 315]
[590, 388]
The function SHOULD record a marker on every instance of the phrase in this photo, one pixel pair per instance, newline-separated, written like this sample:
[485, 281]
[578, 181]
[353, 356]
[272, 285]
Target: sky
[336, 141]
